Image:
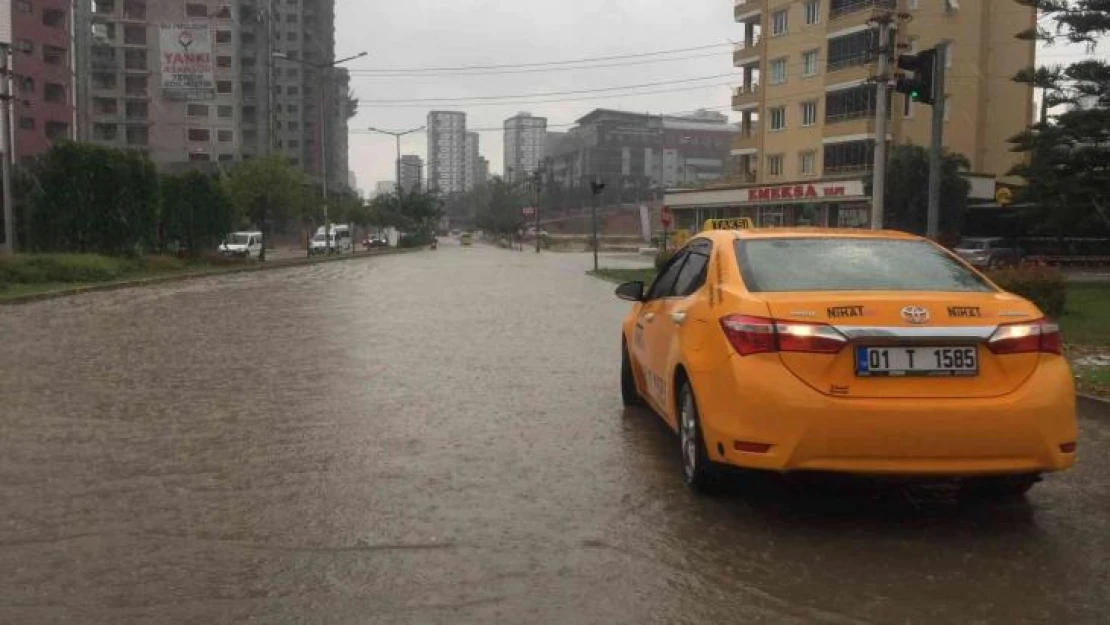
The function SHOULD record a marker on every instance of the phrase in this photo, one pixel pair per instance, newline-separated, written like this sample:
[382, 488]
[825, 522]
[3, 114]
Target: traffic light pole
[936, 148]
[882, 104]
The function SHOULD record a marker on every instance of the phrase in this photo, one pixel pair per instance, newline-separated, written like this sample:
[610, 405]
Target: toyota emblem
[915, 315]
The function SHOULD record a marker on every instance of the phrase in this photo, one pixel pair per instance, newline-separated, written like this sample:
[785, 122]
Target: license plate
[917, 361]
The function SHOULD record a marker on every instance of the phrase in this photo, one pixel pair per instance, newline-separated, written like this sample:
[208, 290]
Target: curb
[182, 277]
[1094, 399]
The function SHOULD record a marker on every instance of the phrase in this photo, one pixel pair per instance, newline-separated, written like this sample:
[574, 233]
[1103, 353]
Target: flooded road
[438, 438]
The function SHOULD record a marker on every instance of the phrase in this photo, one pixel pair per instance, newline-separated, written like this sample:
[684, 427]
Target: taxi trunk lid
[908, 344]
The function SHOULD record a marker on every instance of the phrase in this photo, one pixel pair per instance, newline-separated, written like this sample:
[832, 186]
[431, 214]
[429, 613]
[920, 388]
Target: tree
[196, 212]
[907, 190]
[264, 190]
[1067, 165]
[499, 211]
[88, 198]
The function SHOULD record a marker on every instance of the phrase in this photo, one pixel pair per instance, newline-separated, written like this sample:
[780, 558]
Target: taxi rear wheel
[697, 470]
[629, 395]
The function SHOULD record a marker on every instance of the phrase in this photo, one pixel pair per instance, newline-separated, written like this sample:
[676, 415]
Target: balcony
[839, 9]
[748, 137]
[747, 51]
[745, 96]
[743, 8]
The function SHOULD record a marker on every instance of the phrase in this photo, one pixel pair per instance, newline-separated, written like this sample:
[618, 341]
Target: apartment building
[524, 145]
[470, 160]
[807, 102]
[43, 83]
[412, 172]
[446, 152]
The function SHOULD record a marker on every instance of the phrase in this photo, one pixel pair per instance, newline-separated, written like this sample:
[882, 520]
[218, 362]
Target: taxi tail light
[757, 335]
[1024, 338]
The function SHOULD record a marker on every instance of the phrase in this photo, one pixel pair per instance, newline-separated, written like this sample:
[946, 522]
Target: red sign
[529, 211]
[796, 192]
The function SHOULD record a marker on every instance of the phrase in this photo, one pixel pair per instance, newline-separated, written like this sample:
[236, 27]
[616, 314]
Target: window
[849, 156]
[223, 86]
[293, 143]
[947, 107]
[809, 63]
[193, 9]
[692, 275]
[23, 6]
[291, 72]
[138, 135]
[855, 49]
[224, 136]
[134, 35]
[224, 158]
[105, 132]
[138, 110]
[223, 36]
[26, 85]
[105, 106]
[847, 264]
[200, 134]
[809, 113]
[664, 284]
[778, 71]
[949, 53]
[54, 92]
[775, 164]
[223, 62]
[27, 123]
[196, 110]
[26, 46]
[813, 11]
[852, 103]
[778, 117]
[224, 111]
[53, 18]
[292, 108]
[807, 163]
[201, 157]
[291, 18]
[292, 90]
[913, 5]
[778, 23]
[223, 13]
[294, 126]
[291, 35]
[53, 55]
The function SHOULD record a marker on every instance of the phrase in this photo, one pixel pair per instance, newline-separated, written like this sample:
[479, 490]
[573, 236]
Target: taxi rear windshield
[848, 264]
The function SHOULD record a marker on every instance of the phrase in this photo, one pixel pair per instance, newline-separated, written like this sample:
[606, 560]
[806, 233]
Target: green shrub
[662, 258]
[1044, 286]
[43, 268]
[162, 264]
[414, 240]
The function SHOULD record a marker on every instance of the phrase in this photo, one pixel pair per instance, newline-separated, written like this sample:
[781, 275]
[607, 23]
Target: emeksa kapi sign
[186, 60]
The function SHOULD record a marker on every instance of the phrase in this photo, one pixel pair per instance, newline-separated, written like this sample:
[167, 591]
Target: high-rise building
[412, 172]
[470, 160]
[807, 101]
[43, 83]
[446, 151]
[524, 145]
[483, 171]
[213, 80]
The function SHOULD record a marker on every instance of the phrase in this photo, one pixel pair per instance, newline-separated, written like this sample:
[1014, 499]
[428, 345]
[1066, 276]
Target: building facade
[446, 152]
[808, 103]
[471, 155]
[483, 171]
[41, 58]
[525, 137]
[641, 154]
[412, 172]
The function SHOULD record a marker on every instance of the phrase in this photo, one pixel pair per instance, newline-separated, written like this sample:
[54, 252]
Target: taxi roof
[797, 233]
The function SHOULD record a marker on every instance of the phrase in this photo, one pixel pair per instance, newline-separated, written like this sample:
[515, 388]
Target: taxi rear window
[851, 264]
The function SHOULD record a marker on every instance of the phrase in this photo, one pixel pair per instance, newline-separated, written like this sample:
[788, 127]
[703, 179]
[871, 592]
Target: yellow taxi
[865, 352]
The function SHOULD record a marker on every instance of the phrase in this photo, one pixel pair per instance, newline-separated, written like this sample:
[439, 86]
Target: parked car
[989, 252]
[375, 241]
[339, 241]
[246, 245]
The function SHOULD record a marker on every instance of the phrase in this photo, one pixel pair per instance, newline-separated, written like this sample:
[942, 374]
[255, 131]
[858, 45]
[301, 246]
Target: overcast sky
[452, 33]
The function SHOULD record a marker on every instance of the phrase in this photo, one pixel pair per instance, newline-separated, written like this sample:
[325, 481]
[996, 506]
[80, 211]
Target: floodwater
[438, 438]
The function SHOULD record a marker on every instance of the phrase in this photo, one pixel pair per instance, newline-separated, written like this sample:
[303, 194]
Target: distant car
[466, 238]
[375, 241]
[531, 232]
[873, 353]
[989, 252]
[242, 245]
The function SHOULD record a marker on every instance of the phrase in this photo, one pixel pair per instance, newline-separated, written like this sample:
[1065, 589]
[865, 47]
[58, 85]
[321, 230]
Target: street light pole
[397, 136]
[321, 68]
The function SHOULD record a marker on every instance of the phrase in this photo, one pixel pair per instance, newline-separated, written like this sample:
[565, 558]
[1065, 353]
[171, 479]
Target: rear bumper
[808, 431]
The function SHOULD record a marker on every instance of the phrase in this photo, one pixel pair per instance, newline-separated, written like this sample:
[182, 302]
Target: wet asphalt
[438, 438]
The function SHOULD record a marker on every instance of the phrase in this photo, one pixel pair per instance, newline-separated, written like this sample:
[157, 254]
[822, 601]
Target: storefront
[834, 204]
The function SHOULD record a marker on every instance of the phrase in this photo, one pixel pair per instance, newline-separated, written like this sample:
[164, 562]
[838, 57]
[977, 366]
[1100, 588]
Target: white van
[242, 245]
[338, 243]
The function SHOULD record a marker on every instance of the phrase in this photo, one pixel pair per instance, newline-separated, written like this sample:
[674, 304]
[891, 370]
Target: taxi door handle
[678, 318]
[649, 317]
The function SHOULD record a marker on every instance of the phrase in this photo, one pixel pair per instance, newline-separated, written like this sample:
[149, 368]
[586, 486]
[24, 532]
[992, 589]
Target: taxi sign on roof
[738, 223]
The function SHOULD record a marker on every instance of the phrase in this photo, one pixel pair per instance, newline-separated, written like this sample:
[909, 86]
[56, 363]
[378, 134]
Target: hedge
[1044, 286]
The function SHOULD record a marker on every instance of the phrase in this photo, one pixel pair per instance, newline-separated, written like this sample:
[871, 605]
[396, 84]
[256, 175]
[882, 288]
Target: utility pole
[539, 187]
[882, 91]
[936, 148]
[6, 143]
[596, 186]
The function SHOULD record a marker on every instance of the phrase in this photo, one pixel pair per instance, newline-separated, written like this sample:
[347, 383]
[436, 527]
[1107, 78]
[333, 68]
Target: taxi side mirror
[631, 291]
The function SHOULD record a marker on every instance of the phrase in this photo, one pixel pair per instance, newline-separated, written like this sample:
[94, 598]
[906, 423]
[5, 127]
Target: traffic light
[922, 86]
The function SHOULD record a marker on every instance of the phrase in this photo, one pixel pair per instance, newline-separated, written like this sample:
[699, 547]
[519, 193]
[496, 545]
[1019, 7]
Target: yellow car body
[466, 238]
[804, 396]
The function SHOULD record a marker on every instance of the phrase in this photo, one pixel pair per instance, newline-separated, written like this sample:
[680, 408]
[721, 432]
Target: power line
[381, 74]
[545, 94]
[545, 63]
[410, 104]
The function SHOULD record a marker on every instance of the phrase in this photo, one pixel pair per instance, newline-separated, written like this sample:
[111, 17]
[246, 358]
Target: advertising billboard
[186, 60]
